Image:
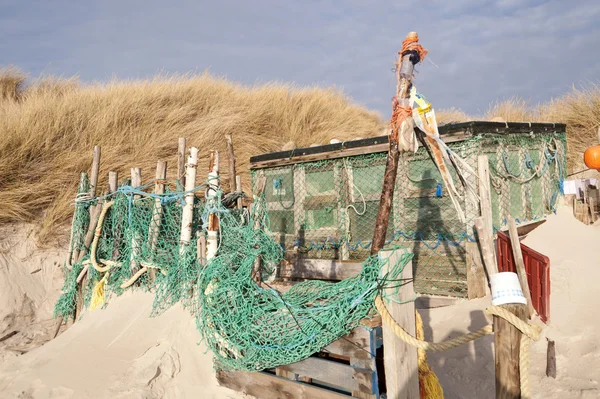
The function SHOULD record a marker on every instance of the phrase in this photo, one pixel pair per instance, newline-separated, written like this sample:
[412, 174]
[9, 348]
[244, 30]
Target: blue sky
[483, 51]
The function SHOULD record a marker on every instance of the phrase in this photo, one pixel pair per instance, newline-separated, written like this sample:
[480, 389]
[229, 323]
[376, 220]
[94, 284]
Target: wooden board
[400, 359]
[268, 386]
[342, 376]
[476, 278]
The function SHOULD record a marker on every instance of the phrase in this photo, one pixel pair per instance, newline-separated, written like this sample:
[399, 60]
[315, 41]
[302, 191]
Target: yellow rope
[98, 298]
[134, 278]
[530, 331]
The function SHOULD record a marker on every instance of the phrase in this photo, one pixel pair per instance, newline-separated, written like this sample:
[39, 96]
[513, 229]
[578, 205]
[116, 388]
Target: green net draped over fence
[327, 208]
[246, 325]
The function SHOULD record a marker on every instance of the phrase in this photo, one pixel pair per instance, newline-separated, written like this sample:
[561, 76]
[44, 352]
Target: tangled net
[247, 326]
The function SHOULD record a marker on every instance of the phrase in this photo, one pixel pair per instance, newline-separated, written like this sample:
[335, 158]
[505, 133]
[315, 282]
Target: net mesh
[246, 325]
[327, 209]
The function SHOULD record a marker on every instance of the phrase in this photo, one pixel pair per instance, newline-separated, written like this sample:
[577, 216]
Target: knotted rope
[530, 331]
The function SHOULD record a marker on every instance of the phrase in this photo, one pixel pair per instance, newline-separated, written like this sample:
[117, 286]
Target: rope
[105, 207]
[530, 332]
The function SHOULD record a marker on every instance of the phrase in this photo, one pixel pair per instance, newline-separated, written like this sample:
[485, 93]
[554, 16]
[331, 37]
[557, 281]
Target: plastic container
[506, 288]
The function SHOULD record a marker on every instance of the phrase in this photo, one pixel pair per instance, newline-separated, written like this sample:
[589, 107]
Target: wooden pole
[136, 181]
[213, 185]
[551, 359]
[188, 209]
[400, 359]
[485, 195]
[260, 188]
[391, 168]
[231, 162]
[157, 210]
[95, 171]
[238, 189]
[181, 171]
[74, 252]
[519, 263]
[113, 182]
[507, 341]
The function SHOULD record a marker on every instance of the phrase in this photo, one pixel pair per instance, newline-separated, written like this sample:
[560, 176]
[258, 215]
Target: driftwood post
[74, 252]
[211, 198]
[398, 352]
[260, 188]
[188, 209]
[159, 188]
[181, 172]
[231, 162]
[519, 263]
[238, 189]
[136, 181]
[94, 214]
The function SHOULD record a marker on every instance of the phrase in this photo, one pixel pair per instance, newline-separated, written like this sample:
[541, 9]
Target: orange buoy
[591, 157]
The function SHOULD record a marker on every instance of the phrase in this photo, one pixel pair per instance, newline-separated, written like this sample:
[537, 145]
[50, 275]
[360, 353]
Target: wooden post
[211, 191]
[136, 181]
[400, 359]
[74, 252]
[551, 359]
[188, 209]
[485, 194]
[238, 189]
[113, 182]
[95, 171]
[507, 341]
[487, 247]
[159, 188]
[260, 188]
[94, 215]
[476, 282]
[405, 73]
[231, 162]
[181, 161]
[519, 263]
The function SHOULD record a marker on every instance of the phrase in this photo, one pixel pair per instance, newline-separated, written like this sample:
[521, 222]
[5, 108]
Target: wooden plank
[551, 359]
[519, 263]
[157, 211]
[507, 339]
[231, 163]
[476, 279]
[487, 247]
[340, 375]
[319, 269]
[400, 359]
[268, 386]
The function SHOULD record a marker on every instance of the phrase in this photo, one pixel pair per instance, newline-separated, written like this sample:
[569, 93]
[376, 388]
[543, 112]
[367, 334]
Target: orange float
[591, 157]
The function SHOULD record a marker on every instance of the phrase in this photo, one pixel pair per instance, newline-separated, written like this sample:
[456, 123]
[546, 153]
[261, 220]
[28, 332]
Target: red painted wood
[537, 267]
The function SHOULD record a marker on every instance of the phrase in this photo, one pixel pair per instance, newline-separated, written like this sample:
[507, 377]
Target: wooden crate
[343, 369]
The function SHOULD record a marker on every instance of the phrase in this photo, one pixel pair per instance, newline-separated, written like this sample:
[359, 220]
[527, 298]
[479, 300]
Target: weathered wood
[231, 163]
[507, 340]
[188, 209]
[400, 359]
[113, 182]
[551, 359]
[260, 188]
[343, 153]
[319, 269]
[74, 252]
[95, 171]
[181, 161]
[345, 377]
[157, 211]
[136, 239]
[201, 248]
[487, 247]
[485, 194]
[519, 263]
[268, 386]
[476, 280]
[238, 189]
[211, 192]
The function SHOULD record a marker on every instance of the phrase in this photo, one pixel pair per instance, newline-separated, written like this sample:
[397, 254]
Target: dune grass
[49, 126]
[48, 130]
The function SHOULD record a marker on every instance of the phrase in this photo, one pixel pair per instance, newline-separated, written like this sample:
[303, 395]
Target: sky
[479, 51]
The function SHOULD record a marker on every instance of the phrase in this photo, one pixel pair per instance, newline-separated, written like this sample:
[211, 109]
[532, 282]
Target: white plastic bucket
[506, 288]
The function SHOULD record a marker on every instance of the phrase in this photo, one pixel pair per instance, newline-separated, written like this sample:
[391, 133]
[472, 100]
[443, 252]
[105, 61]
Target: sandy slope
[120, 352]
